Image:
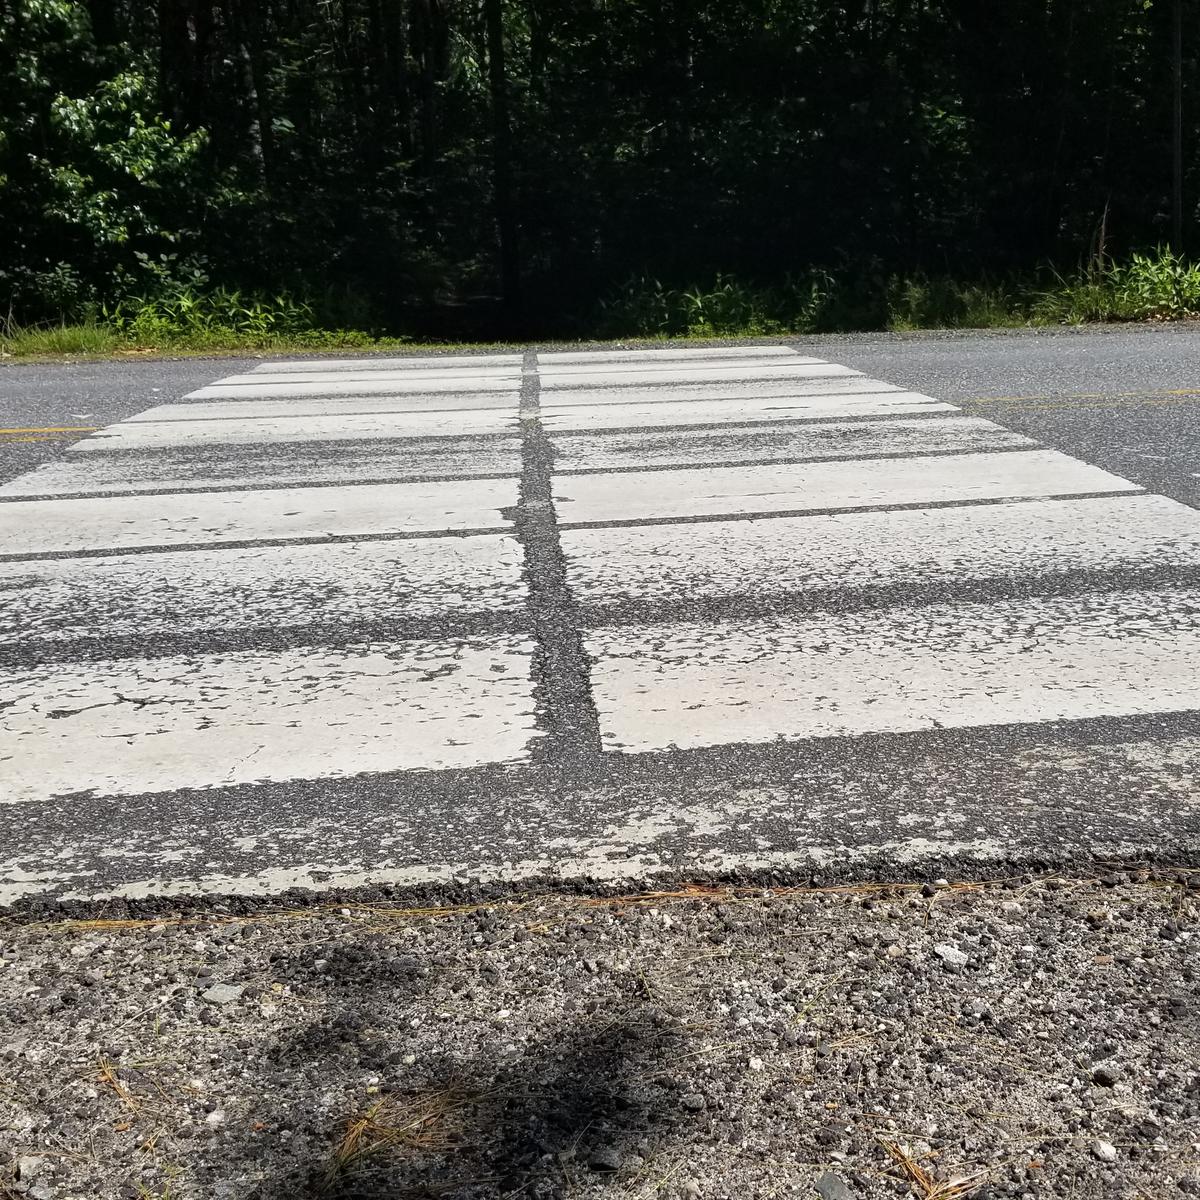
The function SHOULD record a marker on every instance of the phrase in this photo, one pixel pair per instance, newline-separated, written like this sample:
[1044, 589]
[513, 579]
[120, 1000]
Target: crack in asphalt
[566, 712]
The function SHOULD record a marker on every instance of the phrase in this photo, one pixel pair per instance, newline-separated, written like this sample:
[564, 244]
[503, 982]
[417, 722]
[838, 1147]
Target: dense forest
[515, 165]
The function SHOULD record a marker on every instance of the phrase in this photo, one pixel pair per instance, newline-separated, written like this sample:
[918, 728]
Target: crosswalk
[352, 621]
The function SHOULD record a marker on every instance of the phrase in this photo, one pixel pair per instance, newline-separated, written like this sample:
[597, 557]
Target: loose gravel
[1027, 1038]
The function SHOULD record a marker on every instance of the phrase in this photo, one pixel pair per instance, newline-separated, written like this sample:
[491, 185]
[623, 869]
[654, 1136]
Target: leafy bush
[922, 303]
[647, 308]
[1159, 287]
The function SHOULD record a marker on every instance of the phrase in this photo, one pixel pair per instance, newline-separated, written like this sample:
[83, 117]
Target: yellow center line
[1156, 396]
[48, 433]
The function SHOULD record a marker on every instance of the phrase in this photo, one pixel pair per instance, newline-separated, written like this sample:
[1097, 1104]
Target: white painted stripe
[721, 491]
[432, 362]
[451, 382]
[120, 522]
[139, 435]
[121, 728]
[557, 358]
[895, 670]
[258, 587]
[175, 468]
[672, 564]
[258, 379]
[816, 388]
[330, 406]
[723, 444]
[695, 374]
[742, 411]
[563, 374]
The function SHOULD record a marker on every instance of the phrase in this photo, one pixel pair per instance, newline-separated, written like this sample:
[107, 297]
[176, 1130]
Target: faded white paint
[696, 373]
[433, 362]
[259, 587]
[328, 406]
[648, 394]
[749, 367]
[697, 684]
[254, 381]
[746, 410]
[122, 522]
[717, 444]
[554, 359]
[799, 487]
[140, 435]
[448, 381]
[672, 564]
[295, 463]
[121, 728]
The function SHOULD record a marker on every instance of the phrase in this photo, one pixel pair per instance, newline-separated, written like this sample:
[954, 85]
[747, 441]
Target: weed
[417, 1123]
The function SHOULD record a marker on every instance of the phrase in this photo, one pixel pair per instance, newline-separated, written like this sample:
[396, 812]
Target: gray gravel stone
[223, 993]
[678, 1059]
[833, 1187]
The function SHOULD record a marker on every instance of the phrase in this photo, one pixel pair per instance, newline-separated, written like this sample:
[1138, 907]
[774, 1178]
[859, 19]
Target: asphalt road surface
[840, 605]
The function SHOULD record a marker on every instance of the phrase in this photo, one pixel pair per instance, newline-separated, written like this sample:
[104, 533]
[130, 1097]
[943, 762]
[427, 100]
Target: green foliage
[645, 307]
[918, 302]
[351, 152]
[1160, 287]
[58, 340]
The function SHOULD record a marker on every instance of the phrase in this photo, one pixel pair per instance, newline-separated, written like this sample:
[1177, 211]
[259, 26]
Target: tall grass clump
[225, 318]
[1162, 286]
[919, 302]
[647, 308]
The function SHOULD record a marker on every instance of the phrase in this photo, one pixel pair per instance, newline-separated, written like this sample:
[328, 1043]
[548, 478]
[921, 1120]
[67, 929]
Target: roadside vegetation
[1160, 286]
[183, 177]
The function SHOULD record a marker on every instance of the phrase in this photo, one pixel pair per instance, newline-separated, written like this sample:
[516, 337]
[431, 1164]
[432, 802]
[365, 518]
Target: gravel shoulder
[1024, 1038]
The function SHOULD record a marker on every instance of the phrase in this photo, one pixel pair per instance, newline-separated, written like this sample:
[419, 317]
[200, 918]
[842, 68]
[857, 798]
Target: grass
[424, 1122]
[1159, 286]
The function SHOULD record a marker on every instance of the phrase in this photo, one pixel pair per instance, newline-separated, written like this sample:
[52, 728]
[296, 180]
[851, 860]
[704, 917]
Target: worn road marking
[914, 548]
[29, 527]
[327, 406]
[260, 587]
[801, 440]
[747, 410]
[206, 721]
[1160, 396]
[451, 382]
[135, 435]
[688, 685]
[432, 362]
[729, 491]
[269, 464]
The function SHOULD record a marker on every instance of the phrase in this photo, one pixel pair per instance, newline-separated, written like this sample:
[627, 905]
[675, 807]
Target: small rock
[951, 955]
[755, 1064]
[223, 993]
[1106, 1076]
[41, 1191]
[28, 1166]
[605, 1159]
[215, 1118]
[1104, 1151]
[833, 1187]
[693, 1101]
